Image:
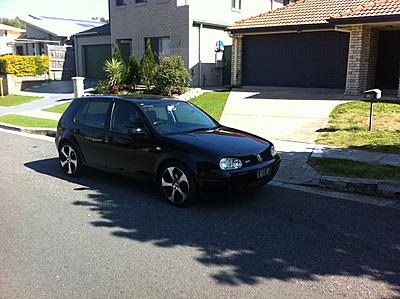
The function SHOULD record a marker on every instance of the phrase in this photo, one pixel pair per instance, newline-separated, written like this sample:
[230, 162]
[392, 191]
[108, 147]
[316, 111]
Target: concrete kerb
[38, 131]
[388, 189]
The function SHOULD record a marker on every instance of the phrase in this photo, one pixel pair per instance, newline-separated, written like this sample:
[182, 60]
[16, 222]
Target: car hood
[223, 141]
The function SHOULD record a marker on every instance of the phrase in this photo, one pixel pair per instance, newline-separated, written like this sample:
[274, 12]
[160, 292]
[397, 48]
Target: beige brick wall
[361, 68]
[237, 48]
[156, 18]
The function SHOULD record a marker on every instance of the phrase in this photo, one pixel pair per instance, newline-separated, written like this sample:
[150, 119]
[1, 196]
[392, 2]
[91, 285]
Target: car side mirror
[137, 131]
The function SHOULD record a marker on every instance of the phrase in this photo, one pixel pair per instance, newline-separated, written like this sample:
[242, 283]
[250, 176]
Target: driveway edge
[38, 131]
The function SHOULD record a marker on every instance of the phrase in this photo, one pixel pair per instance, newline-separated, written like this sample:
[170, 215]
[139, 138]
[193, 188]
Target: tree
[13, 22]
[132, 73]
[172, 75]
[117, 55]
[148, 66]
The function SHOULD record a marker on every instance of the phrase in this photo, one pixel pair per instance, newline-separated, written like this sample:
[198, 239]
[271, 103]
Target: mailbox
[373, 95]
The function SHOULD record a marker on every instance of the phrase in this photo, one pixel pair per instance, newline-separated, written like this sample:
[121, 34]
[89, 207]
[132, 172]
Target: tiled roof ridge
[268, 12]
[359, 8]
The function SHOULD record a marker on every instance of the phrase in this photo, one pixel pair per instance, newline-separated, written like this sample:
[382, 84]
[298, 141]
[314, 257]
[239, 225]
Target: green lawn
[30, 122]
[212, 102]
[58, 108]
[15, 100]
[348, 127]
[348, 168]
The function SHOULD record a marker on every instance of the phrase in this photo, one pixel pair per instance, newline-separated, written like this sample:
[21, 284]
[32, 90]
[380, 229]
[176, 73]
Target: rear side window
[93, 114]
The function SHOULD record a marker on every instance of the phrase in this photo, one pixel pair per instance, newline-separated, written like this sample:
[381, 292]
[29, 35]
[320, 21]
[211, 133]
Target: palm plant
[114, 70]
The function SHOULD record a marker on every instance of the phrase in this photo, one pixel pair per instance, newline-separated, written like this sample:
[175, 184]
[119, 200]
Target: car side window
[93, 114]
[125, 117]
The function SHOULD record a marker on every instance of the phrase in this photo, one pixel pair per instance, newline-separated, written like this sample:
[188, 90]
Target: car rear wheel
[178, 184]
[70, 160]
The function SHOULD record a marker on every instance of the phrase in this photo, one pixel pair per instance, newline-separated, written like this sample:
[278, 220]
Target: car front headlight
[230, 163]
[272, 151]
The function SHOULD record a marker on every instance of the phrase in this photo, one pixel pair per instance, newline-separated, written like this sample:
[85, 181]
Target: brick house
[349, 44]
[190, 28]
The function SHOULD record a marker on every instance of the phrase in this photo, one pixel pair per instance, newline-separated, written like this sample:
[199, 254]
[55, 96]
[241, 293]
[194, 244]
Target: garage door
[95, 56]
[317, 59]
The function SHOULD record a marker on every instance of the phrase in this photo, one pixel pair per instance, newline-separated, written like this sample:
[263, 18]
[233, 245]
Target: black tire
[70, 159]
[178, 184]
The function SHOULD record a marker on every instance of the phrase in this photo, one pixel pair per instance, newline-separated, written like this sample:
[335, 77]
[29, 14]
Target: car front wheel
[178, 184]
[70, 160]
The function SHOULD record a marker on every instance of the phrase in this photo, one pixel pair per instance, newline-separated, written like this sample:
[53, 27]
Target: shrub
[147, 68]
[102, 87]
[132, 72]
[114, 70]
[172, 76]
[24, 65]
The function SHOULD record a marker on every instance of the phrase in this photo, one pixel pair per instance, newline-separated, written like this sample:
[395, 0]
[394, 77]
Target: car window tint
[80, 115]
[188, 114]
[96, 114]
[125, 117]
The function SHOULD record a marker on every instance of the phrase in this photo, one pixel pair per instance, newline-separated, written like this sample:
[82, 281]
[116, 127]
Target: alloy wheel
[68, 159]
[175, 184]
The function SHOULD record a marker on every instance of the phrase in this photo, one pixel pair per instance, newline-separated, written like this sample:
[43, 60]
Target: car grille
[252, 159]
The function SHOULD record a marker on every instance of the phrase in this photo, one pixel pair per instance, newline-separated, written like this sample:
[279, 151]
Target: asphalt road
[107, 236]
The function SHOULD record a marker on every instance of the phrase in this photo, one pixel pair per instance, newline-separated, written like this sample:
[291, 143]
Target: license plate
[263, 172]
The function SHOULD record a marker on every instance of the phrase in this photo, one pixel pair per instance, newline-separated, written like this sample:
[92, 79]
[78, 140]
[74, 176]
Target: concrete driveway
[277, 113]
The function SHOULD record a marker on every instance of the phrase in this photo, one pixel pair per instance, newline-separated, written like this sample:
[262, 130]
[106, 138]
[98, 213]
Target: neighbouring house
[8, 35]
[52, 36]
[92, 49]
[190, 28]
[348, 44]
[43, 30]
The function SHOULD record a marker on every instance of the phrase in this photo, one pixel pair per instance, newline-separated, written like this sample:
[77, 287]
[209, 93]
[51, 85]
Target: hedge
[21, 66]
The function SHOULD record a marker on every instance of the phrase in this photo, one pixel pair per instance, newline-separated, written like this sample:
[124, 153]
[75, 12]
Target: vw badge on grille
[259, 158]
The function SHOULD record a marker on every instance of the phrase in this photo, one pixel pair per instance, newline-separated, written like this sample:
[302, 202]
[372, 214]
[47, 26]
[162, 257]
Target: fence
[62, 62]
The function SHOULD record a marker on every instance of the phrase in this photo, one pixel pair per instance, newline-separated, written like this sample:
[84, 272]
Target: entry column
[363, 52]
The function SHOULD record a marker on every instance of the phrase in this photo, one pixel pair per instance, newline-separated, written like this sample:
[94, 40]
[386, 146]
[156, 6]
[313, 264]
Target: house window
[161, 46]
[141, 1]
[121, 2]
[237, 4]
[286, 2]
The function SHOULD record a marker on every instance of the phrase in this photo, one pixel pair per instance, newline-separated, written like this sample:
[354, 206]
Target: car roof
[146, 99]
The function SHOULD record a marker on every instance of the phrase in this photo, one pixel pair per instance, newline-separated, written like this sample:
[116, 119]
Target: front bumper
[240, 179]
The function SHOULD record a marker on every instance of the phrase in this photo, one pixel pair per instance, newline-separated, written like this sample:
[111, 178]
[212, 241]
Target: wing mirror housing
[137, 131]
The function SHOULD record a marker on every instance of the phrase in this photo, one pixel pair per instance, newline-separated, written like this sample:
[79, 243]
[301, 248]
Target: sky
[56, 8]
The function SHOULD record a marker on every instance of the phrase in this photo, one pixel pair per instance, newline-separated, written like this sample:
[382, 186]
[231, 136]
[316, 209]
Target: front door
[89, 129]
[388, 64]
[128, 150]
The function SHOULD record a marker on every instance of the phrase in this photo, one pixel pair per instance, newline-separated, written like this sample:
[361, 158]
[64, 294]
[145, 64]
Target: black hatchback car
[171, 142]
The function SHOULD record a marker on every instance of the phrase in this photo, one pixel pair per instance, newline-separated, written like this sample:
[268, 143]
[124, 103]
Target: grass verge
[354, 169]
[29, 122]
[58, 108]
[15, 100]
[348, 126]
[212, 102]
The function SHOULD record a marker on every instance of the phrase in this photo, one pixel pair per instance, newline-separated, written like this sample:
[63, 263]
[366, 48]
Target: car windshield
[177, 118]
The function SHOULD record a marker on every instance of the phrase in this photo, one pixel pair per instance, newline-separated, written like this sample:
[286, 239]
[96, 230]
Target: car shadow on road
[270, 234]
